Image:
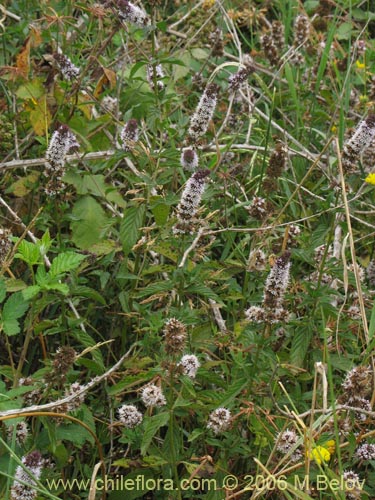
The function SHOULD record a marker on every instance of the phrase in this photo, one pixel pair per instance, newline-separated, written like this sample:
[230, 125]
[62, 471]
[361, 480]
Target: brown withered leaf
[23, 59]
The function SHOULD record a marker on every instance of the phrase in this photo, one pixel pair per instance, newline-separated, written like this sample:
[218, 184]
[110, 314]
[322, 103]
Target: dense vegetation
[186, 250]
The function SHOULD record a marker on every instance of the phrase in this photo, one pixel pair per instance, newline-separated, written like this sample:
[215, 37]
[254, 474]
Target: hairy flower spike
[302, 27]
[189, 159]
[270, 49]
[278, 34]
[219, 420]
[216, 39]
[238, 80]
[157, 74]
[62, 142]
[129, 134]
[258, 208]
[204, 112]
[189, 364]
[152, 395]
[190, 201]
[68, 70]
[352, 485]
[129, 416]
[358, 143]
[34, 463]
[174, 336]
[277, 282]
[133, 14]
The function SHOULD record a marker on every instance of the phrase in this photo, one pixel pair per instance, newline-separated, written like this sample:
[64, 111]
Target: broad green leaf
[65, 262]
[30, 292]
[90, 221]
[29, 252]
[151, 427]
[14, 307]
[130, 224]
[11, 327]
[160, 210]
[159, 286]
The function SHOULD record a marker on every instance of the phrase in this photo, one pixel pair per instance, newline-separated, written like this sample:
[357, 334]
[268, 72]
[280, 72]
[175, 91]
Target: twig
[191, 247]
[95, 381]
[217, 315]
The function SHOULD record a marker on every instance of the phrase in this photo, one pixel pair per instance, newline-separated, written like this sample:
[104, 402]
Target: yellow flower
[370, 178]
[320, 454]
[360, 65]
[207, 4]
[330, 445]
[333, 129]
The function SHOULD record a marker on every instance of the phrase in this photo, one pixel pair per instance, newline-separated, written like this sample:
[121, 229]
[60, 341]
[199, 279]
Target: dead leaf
[23, 59]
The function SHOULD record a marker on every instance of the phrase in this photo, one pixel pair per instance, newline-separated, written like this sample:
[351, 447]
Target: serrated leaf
[64, 263]
[31, 291]
[199, 54]
[59, 287]
[151, 427]
[11, 327]
[300, 345]
[89, 224]
[90, 293]
[159, 286]
[129, 228]
[160, 210]
[29, 252]
[14, 307]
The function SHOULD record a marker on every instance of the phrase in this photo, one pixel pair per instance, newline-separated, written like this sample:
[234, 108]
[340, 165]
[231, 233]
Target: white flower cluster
[152, 395]
[219, 420]
[285, 441]
[129, 134]
[34, 463]
[68, 70]
[189, 364]
[352, 484]
[257, 260]
[204, 112]
[189, 159]
[110, 103]
[129, 416]
[157, 74]
[190, 201]
[366, 452]
[133, 14]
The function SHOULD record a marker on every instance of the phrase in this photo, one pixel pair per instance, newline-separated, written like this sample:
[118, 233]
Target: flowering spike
[62, 142]
[190, 201]
[152, 395]
[238, 80]
[157, 74]
[129, 134]
[204, 112]
[189, 364]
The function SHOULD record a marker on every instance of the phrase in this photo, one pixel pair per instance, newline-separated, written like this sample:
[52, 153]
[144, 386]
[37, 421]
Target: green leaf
[11, 327]
[59, 287]
[343, 32]
[159, 286]
[14, 307]
[90, 293]
[232, 392]
[129, 228]
[65, 262]
[199, 54]
[90, 221]
[31, 291]
[2, 289]
[160, 210]
[151, 427]
[29, 252]
[300, 344]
